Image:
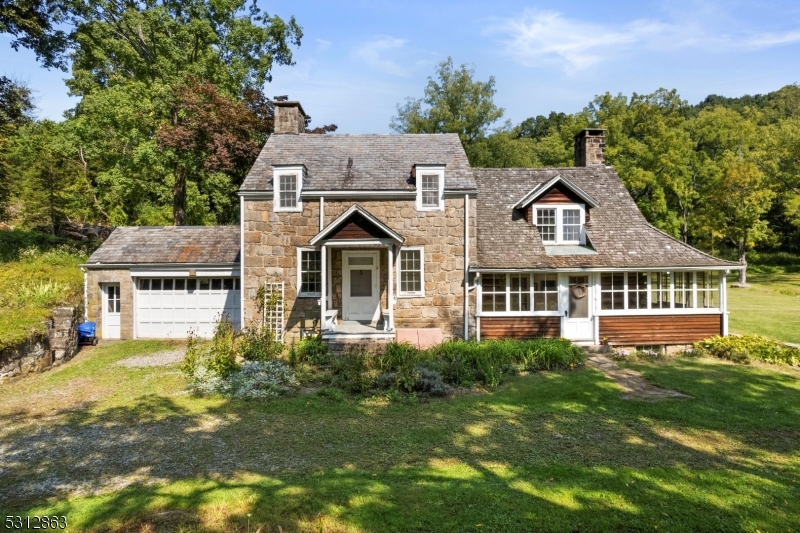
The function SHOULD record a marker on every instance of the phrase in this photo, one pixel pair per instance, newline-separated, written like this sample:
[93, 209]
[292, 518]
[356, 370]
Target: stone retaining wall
[43, 351]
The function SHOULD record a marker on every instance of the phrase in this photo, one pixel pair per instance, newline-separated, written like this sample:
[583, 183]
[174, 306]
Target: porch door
[361, 290]
[111, 306]
[576, 307]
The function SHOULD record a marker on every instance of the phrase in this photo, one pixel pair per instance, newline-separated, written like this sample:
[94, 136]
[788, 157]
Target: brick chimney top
[289, 117]
[590, 147]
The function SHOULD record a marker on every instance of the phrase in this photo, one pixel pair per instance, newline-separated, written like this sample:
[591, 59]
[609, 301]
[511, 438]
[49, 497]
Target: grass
[37, 272]
[771, 307]
[120, 449]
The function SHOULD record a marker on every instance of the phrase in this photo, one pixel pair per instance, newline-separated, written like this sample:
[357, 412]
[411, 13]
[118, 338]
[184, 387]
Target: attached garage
[166, 282]
[175, 307]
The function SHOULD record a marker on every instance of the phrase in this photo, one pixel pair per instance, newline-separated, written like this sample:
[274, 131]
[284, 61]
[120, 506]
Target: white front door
[111, 305]
[576, 307]
[361, 290]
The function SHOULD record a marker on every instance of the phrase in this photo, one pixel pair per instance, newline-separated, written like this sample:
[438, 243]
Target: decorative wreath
[579, 291]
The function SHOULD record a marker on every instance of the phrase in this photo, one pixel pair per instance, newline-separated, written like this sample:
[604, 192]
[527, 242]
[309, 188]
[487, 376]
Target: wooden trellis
[273, 308]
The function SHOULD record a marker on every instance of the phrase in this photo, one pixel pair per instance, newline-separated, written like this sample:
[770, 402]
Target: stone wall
[43, 351]
[270, 255]
[94, 305]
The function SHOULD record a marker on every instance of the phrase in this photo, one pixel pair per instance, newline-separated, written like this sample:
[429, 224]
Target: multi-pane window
[637, 290]
[683, 289]
[571, 225]
[411, 272]
[520, 292]
[545, 292]
[660, 290]
[612, 290]
[113, 298]
[559, 224]
[190, 285]
[676, 290]
[493, 291]
[708, 289]
[546, 222]
[310, 272]
[430, 190]
[287, 190]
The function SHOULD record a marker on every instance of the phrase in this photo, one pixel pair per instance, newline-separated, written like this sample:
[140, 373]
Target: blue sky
[359, 59]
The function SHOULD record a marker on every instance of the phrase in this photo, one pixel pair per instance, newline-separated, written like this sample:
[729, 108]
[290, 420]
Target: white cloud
[374, 52]
[547, 38]
[323, 45]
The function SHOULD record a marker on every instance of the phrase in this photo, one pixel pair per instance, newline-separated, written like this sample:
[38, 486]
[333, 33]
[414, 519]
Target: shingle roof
[170, 244]
[616, 230]
[361, 162]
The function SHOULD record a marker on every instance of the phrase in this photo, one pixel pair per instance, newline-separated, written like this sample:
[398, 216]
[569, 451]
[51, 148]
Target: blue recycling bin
[87, 333]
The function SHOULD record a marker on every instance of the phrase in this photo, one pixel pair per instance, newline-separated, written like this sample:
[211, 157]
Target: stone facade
[590, 148]
[95, 280]
[43, 352]
[270, 254]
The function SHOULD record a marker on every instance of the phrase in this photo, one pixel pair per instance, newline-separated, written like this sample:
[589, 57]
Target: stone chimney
[289, 117]
[590, 148]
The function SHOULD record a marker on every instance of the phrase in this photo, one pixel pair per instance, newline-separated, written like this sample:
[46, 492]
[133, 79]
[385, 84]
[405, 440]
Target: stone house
[381, 237]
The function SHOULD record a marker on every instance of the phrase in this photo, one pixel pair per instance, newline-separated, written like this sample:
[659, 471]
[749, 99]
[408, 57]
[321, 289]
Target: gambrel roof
[617, 231]
[361, 162]
[169, 244]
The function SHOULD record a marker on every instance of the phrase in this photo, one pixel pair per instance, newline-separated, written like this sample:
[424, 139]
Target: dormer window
[430, 187]
[560, 224]
[288, 182]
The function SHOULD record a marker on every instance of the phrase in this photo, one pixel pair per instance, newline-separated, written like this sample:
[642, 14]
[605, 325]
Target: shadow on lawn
[551, 452]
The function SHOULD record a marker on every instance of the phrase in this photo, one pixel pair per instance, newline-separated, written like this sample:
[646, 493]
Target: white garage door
[169, 308]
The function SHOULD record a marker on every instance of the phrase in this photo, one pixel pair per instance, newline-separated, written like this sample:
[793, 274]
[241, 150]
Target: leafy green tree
[453, 103]
[16, 107]
[33, 25]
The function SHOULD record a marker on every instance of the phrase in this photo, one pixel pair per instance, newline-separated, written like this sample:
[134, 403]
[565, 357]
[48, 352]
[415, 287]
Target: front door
[111, 306]
[361, 290]
[576, 307]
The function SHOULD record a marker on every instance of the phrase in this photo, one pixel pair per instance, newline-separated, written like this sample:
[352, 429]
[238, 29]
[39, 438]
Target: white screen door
[111, 306]
[361, 291]
[576, 308]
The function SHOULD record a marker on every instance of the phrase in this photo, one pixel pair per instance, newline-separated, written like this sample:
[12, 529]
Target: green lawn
[771, 307]
[114, 448]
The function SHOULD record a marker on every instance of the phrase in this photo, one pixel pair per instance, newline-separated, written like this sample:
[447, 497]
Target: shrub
[257, 379]
[309, 350]
[256, 344]
[748, 348]
[223, 355]
[354, 372]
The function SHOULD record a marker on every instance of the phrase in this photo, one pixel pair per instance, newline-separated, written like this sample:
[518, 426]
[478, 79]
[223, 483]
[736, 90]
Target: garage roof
[169, 244]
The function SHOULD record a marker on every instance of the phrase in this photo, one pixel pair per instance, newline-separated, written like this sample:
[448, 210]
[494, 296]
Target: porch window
[520, 292]
[545, 292]
[660, 290]
[684, 290]
[493, 291]
[637, 290]
[310, 271]
[411, 272]
[708, 289]
[612, 290]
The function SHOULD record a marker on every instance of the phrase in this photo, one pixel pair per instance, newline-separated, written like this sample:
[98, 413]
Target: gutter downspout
[466, 267]
[321, 213]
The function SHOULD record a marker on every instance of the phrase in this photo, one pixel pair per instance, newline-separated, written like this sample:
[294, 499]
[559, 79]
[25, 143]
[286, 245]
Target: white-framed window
[287, 185]
[560, 224]
[309, 272]
[411, 272]
[519, 293]
[659, 290]
[430, 187]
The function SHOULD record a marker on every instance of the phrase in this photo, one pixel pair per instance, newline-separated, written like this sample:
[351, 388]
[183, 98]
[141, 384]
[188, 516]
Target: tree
[16, 107]
[213, 134]
[32, 24]
[452, 104]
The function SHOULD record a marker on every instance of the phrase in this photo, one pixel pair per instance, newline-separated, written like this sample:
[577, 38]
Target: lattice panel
[273, 314]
